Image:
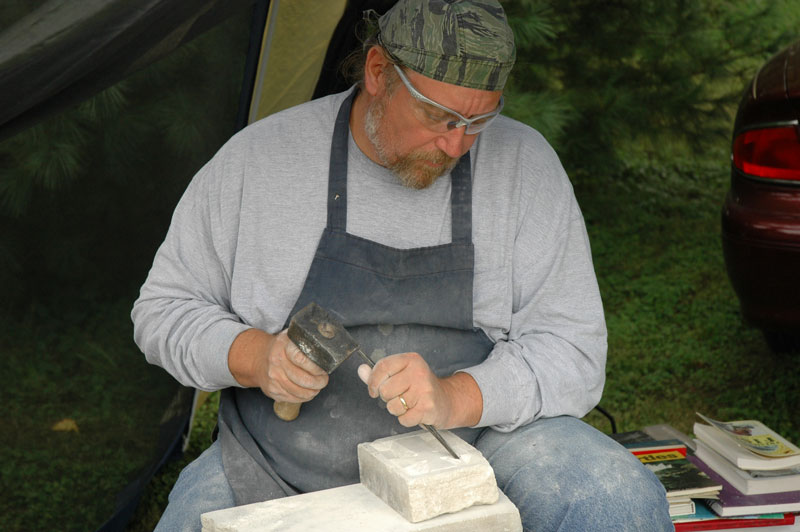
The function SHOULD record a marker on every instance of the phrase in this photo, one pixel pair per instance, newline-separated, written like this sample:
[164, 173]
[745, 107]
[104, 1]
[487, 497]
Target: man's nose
[455, 142]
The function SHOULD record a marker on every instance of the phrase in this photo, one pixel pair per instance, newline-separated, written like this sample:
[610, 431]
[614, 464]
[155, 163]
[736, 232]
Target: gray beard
[407, 168]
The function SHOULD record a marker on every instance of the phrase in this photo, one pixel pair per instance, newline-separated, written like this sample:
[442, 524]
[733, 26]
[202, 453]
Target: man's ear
[375, 71]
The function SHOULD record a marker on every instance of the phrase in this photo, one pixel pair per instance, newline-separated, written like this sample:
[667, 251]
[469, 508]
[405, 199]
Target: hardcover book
[680, 477]
[732, 502]
[705, 519]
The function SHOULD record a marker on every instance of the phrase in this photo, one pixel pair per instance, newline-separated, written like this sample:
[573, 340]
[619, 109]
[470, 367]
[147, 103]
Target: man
[448, 240]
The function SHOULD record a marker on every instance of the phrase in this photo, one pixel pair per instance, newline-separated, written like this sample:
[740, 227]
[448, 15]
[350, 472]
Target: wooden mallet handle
[286, 411]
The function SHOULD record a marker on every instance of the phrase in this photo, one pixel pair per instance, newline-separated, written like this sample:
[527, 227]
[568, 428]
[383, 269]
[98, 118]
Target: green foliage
[640, 78]
[88, 194]
[533, 23]
[549, 112]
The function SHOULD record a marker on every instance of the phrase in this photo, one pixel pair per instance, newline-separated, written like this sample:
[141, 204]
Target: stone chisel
[327, 343]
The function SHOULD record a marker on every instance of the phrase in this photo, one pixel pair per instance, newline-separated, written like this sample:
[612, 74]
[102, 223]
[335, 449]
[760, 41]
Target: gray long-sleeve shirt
[244, 234]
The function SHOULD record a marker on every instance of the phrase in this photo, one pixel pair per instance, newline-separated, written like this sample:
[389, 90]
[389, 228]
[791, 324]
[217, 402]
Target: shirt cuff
[213, 347]
[510, 392]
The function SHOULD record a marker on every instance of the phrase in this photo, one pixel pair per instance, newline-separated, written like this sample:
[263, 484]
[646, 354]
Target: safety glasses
[441, 119]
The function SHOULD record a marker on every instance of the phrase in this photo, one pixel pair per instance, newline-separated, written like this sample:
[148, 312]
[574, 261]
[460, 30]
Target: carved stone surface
[416, 476]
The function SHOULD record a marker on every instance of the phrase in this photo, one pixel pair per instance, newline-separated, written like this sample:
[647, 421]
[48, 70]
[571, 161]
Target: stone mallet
[324, 340]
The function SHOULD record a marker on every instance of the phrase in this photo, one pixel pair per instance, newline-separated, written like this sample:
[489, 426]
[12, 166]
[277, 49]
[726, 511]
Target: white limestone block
[415, 475]
[354, 508]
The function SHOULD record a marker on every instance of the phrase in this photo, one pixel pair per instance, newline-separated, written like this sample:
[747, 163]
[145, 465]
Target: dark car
[761, 214]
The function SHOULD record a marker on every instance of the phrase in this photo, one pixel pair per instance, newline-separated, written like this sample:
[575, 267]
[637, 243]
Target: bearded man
[449, 241]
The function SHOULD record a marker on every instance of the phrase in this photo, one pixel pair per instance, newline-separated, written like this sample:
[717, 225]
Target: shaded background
[636, 96]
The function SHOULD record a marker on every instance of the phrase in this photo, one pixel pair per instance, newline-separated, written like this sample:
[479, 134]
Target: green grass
[677, 345]
[80, 366]
[677, 341]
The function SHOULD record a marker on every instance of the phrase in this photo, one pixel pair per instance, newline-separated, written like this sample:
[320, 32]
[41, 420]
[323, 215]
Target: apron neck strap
[461, 181]
[461, 200]
[337, 172]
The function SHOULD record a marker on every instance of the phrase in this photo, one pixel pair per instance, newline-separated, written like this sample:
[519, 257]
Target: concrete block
[354, 508]
[417, 477]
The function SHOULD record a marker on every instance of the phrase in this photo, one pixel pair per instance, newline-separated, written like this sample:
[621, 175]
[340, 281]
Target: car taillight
[772, 153]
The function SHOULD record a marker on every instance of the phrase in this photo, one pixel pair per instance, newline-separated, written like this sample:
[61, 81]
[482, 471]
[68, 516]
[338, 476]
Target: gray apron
[392, 301]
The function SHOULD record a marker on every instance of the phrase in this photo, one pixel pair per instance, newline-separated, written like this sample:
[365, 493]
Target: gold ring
[403, 402]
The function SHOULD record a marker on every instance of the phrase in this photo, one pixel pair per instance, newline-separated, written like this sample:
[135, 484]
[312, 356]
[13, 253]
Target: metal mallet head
[321, 337]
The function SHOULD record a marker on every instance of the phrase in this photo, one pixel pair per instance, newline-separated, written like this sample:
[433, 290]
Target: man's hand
[276, 365]
[454, 401]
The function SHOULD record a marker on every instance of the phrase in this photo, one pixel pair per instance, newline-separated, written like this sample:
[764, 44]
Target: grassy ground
[677, 345]
[677, 342]
[79, 419]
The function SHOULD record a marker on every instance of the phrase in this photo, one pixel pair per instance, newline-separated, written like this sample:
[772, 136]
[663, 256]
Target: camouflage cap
[462, 42]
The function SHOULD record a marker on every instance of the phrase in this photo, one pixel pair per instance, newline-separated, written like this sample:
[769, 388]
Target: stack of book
[682, 480]
[724, 487]
[759, 470]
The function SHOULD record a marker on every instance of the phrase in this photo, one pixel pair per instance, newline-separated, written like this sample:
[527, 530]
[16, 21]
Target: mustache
[437, 157]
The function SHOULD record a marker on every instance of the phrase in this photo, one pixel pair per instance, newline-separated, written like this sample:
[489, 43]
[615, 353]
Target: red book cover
[656, 447]
[733, 522]
[705, 519]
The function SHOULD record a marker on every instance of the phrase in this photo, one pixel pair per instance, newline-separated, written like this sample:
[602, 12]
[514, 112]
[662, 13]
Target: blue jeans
[560, 472]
